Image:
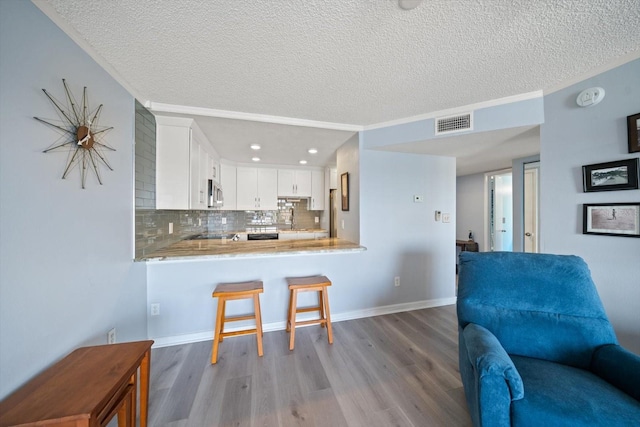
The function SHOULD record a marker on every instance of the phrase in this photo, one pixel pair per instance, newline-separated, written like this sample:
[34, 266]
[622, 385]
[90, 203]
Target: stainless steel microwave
[215, 199]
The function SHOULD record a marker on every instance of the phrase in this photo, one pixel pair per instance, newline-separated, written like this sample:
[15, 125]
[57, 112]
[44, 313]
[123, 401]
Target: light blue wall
[414, 247]
[527, 112]
[570, 138]
[66, 270]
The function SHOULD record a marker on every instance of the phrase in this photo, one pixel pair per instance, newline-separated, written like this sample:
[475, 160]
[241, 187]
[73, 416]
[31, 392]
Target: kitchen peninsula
[227, 248]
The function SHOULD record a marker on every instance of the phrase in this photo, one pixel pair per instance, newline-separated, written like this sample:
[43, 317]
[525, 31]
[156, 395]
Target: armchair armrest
[489, 359]
[618, 367]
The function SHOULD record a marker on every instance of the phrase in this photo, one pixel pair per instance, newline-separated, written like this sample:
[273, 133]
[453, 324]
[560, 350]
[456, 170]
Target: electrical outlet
[342, 224]
[446, 217]
[224, 220]
[170, 228]
[199, 221]
[317, 219]
[111, 336]
[155, 309]
[396, 281]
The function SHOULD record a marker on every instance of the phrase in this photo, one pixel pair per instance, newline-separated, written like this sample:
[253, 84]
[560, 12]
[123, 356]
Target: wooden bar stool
[232, 291]
[303, 284]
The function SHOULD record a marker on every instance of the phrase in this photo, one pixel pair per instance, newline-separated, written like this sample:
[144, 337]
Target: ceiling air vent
[453, 124]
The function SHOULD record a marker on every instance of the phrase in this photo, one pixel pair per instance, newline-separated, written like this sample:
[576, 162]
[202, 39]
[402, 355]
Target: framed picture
[633, 128]
[612, 219]
[620, 175]
[344, 190]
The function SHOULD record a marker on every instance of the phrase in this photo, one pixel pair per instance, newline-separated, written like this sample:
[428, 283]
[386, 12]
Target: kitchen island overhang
[226, 248]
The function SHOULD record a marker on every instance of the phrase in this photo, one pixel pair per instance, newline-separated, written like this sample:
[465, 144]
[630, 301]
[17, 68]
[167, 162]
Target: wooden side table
[86, 388]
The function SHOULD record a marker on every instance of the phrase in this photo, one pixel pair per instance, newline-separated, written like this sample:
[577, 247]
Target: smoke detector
[409, 4]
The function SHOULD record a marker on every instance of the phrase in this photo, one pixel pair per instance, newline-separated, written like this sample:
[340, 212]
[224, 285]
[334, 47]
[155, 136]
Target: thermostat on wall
[590, 97]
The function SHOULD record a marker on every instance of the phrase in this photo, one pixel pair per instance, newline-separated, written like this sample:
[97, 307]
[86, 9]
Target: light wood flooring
[392, 370]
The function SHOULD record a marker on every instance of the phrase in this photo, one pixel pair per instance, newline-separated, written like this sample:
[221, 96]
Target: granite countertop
[225, 248]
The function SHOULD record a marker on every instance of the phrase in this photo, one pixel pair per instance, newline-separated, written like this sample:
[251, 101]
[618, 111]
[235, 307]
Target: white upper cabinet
[294, 183]
[228, 184]
[257, 188]
[184, 162]
[318, 195]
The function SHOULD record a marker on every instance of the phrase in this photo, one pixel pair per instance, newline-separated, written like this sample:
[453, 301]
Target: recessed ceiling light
[255, 146]
[303, 162]
[312, 151]
[255, 159]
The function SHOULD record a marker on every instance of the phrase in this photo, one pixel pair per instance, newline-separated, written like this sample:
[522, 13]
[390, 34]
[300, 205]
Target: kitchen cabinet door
[294, 183]
[228, 184]
[247, 188]
[267, 189]
[257, 188]
[172, 167]
[318, 195]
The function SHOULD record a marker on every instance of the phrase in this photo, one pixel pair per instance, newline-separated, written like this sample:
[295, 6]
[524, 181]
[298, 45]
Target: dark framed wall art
[633, 128]
[619, 175]
[611, 219]
[344, 191]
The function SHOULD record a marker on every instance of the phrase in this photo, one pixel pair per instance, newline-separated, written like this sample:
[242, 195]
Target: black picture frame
[344, 191]
[618, 175]
[611, 219]
[633, 129]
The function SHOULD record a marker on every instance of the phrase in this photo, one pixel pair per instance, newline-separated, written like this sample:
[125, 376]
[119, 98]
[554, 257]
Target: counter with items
[288, 243]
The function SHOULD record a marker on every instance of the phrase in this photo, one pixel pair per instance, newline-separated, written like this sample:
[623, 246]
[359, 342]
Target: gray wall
[415, 247]
[66, 270]
[470, 205]
[571, 137]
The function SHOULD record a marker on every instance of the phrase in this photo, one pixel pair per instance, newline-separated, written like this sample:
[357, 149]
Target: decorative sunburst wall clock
[82, 136]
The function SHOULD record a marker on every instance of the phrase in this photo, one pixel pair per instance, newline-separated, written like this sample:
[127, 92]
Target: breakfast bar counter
[227, 248]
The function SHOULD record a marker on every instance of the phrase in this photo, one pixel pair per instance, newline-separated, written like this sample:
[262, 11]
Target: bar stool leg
[256, 307]
[218, 330]
[321, 305]
[292, 317]
[325, 297]
[223, 302]
[288, 328]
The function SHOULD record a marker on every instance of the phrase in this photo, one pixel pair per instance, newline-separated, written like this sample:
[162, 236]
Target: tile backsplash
[152, 226]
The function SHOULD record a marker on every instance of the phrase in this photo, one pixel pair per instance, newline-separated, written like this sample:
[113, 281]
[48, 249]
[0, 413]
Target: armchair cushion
[537, 305]
[561, 395]
[619, 367]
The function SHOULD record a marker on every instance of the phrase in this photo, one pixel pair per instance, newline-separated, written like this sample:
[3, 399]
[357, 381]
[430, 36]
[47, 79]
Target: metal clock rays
[81, 135]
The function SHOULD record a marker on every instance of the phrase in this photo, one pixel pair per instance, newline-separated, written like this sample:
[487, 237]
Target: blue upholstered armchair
[536, 347]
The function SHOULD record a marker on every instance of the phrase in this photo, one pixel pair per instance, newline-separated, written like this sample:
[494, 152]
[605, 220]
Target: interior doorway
[531, 197]
[500, 215]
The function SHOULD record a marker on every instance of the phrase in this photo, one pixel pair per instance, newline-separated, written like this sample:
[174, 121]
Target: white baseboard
[278, 326]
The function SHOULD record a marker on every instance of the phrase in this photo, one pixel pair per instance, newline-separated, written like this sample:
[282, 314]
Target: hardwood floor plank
[325, 409]
[393, 370]
[236, 403]
[392, 417]
[311, 374]
[178, 404]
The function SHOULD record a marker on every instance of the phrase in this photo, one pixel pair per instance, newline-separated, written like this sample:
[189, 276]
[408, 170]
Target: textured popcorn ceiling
[357, 62]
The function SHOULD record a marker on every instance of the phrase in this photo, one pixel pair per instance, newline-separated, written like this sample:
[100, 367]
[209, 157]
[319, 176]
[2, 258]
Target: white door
[501, 212]
[531, 236]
